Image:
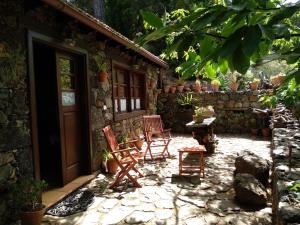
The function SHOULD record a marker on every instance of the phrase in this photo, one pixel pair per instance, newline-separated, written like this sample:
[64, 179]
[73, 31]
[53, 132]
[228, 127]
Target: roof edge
[103, 28]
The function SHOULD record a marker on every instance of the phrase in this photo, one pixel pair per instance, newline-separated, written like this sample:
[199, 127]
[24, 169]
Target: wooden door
[68, 77]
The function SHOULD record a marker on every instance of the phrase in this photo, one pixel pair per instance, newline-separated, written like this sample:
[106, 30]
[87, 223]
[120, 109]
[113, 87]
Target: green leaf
[152, 19]
[251, 40]
[232, 42]
[210, 70]
[284, 12]
[240, 61]
[223, 65]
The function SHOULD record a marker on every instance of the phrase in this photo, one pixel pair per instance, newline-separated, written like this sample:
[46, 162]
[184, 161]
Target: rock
[249, 190]
[253, 164]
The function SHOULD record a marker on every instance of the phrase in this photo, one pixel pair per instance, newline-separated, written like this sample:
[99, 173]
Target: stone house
[52, 105]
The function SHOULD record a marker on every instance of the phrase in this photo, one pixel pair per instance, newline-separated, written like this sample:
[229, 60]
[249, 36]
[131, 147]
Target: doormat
[77, 201]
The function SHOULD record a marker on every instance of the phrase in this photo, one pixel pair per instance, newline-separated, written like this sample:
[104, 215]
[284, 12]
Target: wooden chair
[156, 136]
[126, 158]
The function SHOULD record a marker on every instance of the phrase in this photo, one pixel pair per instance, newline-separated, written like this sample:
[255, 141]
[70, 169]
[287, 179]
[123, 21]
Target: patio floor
[167, 198]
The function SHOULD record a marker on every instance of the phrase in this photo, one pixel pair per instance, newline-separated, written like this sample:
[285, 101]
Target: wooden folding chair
[156, 136]
[126, 158]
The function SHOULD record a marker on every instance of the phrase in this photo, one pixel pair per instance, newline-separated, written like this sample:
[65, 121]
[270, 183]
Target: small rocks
[249, 190]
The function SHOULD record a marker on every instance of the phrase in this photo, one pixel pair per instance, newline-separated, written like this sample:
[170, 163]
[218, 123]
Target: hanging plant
[101, 68]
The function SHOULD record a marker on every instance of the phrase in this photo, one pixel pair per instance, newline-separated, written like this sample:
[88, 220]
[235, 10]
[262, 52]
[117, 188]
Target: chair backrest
[153, 123]
[110, 138]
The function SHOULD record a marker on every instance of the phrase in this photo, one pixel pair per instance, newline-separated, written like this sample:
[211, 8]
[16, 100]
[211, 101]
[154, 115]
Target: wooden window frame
[129, 74]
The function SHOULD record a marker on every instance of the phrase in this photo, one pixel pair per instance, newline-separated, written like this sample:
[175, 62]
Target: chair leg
[138, 172]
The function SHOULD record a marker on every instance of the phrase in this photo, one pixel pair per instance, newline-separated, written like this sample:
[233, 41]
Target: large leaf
[240, 61]
[251, 40]
[284, 12]
[232, 42]
[210, 70]
[152, 19]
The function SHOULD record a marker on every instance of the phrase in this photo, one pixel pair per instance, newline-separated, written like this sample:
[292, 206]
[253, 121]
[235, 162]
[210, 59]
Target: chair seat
[193, 149]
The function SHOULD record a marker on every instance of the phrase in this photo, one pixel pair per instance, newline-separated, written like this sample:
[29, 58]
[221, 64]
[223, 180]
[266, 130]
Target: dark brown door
[68, 75]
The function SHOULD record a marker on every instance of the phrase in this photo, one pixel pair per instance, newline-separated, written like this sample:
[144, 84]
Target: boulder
[253, 164]
[248, 190]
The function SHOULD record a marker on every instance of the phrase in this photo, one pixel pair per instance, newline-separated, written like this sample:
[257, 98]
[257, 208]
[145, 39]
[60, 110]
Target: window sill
[127, 115]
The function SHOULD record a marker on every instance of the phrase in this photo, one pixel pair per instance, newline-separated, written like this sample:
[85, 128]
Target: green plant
[185, 99]
[294, 188]
[100, 63]
[28, 194]
[106, 155]
[156, 90]
[216, 82]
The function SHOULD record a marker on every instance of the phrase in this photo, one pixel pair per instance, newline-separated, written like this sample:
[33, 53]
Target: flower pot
[112, 166]
[152, 83]
[204, 88]
[102, 76]
[265, 132]
[254, 131]
[198, 119]
[215, 87]
[180, 88]
[172, 90]
[32, 218]
[166, 89]
[253, 86]
[139, 144]
[197, 88]
[233, 86]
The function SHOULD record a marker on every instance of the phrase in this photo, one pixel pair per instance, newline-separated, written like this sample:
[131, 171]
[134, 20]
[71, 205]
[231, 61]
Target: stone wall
[233, 110]
[16, 154]
[286, 166]
[15, 140]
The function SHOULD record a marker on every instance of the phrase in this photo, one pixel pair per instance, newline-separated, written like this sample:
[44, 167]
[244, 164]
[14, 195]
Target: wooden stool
[189, 168]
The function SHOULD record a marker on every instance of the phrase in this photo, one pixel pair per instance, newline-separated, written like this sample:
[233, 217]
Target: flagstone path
[169, 199]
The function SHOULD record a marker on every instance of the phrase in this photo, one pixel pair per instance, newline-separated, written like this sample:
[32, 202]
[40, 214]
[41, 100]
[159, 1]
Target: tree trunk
[98, 6]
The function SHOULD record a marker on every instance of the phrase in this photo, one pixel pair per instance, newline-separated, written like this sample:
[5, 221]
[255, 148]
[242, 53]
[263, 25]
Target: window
[128, 90]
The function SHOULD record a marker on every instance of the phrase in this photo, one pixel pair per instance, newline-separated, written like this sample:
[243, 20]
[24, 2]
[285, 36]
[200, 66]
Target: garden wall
[233, 110]
[286, 167]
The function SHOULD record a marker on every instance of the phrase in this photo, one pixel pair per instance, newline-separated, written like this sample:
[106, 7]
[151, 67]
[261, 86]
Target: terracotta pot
[197, 88]
[139, 144]
[180, 88]
[265, 132]
[254, 131]
[152, 83]
[215, 87]
[166, 89]
[233, 86]
[102, 76]
[204, 88]
[172, 90]
[32, 218]
[112, 166]
[253, 86]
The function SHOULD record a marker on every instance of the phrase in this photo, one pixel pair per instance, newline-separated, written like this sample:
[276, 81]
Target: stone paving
[167, 198]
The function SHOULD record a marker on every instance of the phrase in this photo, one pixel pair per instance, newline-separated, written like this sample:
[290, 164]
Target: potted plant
[201, 113]
[180, 85]
[215, 84]
[166, 86]
[122, 141]
[254, 84]
[197, 86]
[101, 68]
[109, 161]
[173, 89]
[152, 83]
[28, 195]
[233, 84]
[156, 92]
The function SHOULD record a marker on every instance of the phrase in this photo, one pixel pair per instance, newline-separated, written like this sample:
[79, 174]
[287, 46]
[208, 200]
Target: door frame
[32, 37]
